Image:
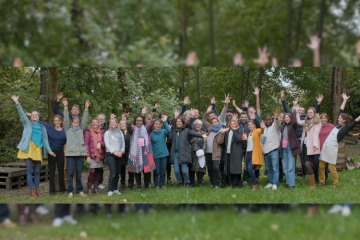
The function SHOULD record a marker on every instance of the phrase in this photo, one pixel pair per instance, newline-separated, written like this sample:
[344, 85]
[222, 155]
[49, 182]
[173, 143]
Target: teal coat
[158, 141]
[27, 132]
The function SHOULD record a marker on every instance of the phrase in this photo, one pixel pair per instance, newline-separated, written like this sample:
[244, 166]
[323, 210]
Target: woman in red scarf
[95, 148]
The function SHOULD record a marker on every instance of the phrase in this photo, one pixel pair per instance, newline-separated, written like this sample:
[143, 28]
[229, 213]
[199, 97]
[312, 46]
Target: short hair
[149, 116]
[251, 121]
[345, 117]
[162, 113]
[158, 120]
[75, 118]
[243, 113]
[215, 119]
[236, 123]
[186, 113]
[198, 122]
[101, 115]
[144, 122]
[268, 115]
[36, 112]
[60, 118]
[300, 106]
[75, 105]
[212, 112]
[252, 108]
[324, 115]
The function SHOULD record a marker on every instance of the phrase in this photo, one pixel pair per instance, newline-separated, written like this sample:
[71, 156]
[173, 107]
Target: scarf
[178, 129]
[96, 136]
[118, 135]
[216, 128]
[309, 124]
[75, 129]
[37, 136]
[136, 152]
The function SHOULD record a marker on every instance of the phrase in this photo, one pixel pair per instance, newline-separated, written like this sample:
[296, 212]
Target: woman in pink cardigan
[95, 149]
[310, 140]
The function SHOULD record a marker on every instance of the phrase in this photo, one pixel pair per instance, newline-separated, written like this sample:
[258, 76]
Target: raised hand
[227, 99]
[358, 49]
[262, 124]
[295, 102]
[209, 109]
[18, 62]
[164, 118]
[314, 42]
[263, 57]
[87, 104]
[128, 116]
[157, 105]
[176, 113]
[153, 115]
[212, 100]
[256, 91]
[276, 115]
[59, 96]
[320, 98]
[234, 103]
[65, 102]
[28, 114]
[282, 94]
[296, 107]
[357, 119]
[186, 100]
[238, 60]
[143, 110]
[246, 104]
[344, 96]
[235, 117]
[191, 59]
[113, 116]
[274, 62]
[225, 129]
[15, 98]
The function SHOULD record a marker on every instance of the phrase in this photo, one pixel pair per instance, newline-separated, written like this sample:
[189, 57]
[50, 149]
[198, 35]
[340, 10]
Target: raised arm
[155, 107]
[66, 115]
[223, 112]
[342, 107]
[314, 45]
[56, 108]
[237, 108]
[257, 93]
[205, 117]
[167, 129]
[285, 106]
[85, 115]
[22, 114]
[319, 100]
[47, 126]
[184, 106]
[213, 102]
[299, 121]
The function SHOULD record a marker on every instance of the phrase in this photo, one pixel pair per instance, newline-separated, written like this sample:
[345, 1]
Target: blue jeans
[272, 166]
[159, 173]
[289, 166]
[33, 167]
[250, 167]
[71, 164]
[183, 167]
[4, 212]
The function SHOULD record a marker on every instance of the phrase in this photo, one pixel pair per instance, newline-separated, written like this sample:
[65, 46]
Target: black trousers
[147, 179]
[114, 164]
[121, 208]
[58, 161]
[213, 169]
[199, 175]
[281, 172]
[4, 212]
[233, 180]
[168, 168]
[101, 175]
[62, 210]
[303, 158]
[224, 178]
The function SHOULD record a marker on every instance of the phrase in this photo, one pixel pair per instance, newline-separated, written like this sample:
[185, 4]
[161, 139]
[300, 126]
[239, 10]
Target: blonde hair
[125, 125]
[198, 121]
[117, 127]
[315, 119]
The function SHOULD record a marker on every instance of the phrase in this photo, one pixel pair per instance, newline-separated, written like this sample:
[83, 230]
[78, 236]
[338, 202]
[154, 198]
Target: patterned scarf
[96, 136]
[309, 124]
[136, 152]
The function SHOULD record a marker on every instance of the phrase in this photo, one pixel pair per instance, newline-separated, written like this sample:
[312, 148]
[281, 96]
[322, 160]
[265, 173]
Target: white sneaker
[110, 193]
[274, 187]
[101, 186]
[269, 185]
[346, 211]
[92, 186]
[42, 210]
[244, 182]
[26, 211]
[117, 192]
[335, 209]
[69, 219]
[57, 222]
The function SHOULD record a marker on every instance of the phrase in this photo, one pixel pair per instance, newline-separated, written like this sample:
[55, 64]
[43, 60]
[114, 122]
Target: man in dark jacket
[75, 110]
[299, 130]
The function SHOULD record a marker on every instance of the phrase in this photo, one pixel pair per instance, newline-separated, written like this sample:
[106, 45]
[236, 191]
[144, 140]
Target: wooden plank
[12, 172]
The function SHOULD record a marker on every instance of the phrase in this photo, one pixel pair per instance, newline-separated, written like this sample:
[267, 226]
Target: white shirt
[250, 143]
[229, 141]
[112, 143]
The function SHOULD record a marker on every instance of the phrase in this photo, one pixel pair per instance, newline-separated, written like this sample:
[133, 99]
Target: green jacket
[75, 145]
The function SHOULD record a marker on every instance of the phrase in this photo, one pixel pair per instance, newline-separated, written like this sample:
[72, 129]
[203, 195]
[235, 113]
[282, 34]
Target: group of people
[190, 143]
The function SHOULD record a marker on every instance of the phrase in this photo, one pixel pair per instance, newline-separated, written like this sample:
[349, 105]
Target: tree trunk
[182, 84]
[212, 34]
[261, 70]
[247, 83]
[183, 36]
[288, 35]
[77, 19]
[241, 85]
[321, 25]
[43, 80]
[336, 90]
[198, 88]
[52, 92]
[298, 29]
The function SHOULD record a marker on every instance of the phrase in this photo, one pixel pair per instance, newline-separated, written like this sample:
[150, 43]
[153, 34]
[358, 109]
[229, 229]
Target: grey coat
[235, 152]
[75, 145]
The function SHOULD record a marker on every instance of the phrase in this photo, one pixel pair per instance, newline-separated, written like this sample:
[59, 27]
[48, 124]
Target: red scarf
[96, 136]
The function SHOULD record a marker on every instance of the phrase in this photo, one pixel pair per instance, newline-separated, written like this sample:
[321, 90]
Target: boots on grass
[33, 194]
[32, 213]
[96, 188]
[89, 187]
[38, 193]
[21, 214]
[255, 187]
[312, 181]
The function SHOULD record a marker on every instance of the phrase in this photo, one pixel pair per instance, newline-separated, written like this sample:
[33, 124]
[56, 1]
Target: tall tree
[198, 88]
[241, 85]
[336, 90]
[212, 32]
[52, 92]
[288, 34]
[183, 36]
[261, 72]
[125, 92]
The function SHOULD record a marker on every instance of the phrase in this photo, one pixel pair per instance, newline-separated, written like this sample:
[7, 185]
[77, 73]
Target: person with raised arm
[75, 109]
[75, 151]
[33, 146]
[331, 145]
[310, 141]
[314, 45]
[158, 142]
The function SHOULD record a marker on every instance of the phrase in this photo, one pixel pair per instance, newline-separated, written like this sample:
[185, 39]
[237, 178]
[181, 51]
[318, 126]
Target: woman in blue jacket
[32, 147]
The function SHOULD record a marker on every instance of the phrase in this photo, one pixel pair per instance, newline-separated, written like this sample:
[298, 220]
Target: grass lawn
[348, 191]
[172, 224]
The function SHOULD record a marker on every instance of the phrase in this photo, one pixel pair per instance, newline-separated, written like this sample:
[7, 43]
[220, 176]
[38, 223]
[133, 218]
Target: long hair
[315, 119]
[236, 123]
[125, 125]
[117, 125]
[60, 119]
[345, 117]
[92, 121]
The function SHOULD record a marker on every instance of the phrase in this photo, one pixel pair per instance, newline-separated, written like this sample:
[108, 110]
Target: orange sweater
[257, 157]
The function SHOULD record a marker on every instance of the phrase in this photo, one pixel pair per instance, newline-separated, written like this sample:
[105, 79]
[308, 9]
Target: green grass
[210, 224]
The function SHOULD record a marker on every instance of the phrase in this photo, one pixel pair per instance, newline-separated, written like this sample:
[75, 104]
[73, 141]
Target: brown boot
[312, 181]
[311, 211]
[21, 215]
[32, 213]
[255, 187]
[33, 194]
[90, 192]
[38, 193]
[96, 188]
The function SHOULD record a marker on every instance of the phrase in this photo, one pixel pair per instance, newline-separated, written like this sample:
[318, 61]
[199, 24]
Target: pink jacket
[312, 138]
[89, 143]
